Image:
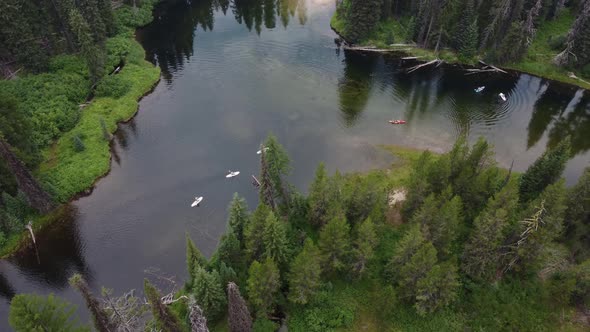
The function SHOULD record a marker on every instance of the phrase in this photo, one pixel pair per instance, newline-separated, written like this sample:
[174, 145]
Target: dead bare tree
[128, 312]
[36, 196]
[500, 13]
[567, 54]
[529, 25]
[196, 317]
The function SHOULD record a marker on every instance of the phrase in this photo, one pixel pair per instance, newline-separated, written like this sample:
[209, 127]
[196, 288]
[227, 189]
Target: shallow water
[269, 66]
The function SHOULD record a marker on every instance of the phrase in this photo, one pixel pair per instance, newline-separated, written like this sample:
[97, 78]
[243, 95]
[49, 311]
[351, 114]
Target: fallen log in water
[435, 61]
[368, 49]
[493, 67]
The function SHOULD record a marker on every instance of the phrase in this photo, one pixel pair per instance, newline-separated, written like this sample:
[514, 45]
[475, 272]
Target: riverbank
[70, 170]
[538, 61]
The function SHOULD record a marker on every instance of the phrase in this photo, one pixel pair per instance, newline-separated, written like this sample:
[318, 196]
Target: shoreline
[426, 55]
[121, 110]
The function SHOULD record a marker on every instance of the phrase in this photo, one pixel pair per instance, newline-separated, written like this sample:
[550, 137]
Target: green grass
[69, 172]
[538, 60]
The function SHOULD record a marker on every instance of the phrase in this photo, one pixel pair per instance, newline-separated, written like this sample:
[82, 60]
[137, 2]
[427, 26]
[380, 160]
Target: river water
[233, 71]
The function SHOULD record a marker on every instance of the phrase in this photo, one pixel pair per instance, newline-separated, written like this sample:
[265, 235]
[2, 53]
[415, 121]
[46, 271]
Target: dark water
[232, 71]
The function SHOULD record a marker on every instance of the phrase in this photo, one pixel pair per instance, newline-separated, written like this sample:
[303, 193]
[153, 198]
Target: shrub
[118, 48]
[586, 71]
[129, 17]
[264, 325]
[557, 43]
[78, 144]
[324, 313]
[113, 86]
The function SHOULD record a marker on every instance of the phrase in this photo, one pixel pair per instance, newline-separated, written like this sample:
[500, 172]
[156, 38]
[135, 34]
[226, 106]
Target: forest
[543, 37]
[439, 242]
[72, 70]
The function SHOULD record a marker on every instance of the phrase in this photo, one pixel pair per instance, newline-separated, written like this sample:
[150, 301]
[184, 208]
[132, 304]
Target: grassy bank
[76, 140]
[538, 61]
[69, 171]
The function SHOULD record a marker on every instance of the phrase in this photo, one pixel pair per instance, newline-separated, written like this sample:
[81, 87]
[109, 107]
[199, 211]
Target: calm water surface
[233, 71]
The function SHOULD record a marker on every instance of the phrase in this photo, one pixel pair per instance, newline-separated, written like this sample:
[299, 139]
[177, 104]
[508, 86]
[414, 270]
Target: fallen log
[572, 75]
[256, 183]
[493, 67]
[368, 49]
[435, 61]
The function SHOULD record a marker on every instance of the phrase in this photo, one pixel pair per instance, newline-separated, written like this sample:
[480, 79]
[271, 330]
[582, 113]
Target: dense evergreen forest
[441, 242]
[55, 57]
[500, 30]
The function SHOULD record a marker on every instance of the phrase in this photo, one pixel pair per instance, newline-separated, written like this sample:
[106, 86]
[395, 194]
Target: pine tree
[194, 258]
[274, 237]
[238, 216]
[407, 247]
[305, 274]
[443, 229]
[577, 217]
[30, 312]
[91, 12]
[278, 164]
[227, 274]
[544, 171]
[364, 245]
[238, 315]
[513, 44]
[164, 318]
[228, 250]
[266, 190]
[418, 187]
[263, 284]
[254, 230]
[480, 259]
[362, 16]
[437, 289]
[466, 35]
[319, 196]
[418, 266]
[543, 223]
[99, 315]
[334, 244]
[208, 292]
[92, 52]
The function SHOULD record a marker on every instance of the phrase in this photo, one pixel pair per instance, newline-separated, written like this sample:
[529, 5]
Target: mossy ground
[538, 61]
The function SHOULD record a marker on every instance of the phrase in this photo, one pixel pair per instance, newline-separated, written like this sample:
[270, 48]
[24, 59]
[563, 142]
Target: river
[233, 71]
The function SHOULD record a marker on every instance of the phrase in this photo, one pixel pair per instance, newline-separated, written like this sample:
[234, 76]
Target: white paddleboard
[197, 201]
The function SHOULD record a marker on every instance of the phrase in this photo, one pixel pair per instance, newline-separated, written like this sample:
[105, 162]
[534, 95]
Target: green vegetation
[465, 31]
[48, 123]
[38, 313]
[462, 251]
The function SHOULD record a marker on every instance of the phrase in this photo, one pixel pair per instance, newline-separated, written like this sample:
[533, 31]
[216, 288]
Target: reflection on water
[59, 254]
[235, 70]
[354, 88]
[170, 41]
